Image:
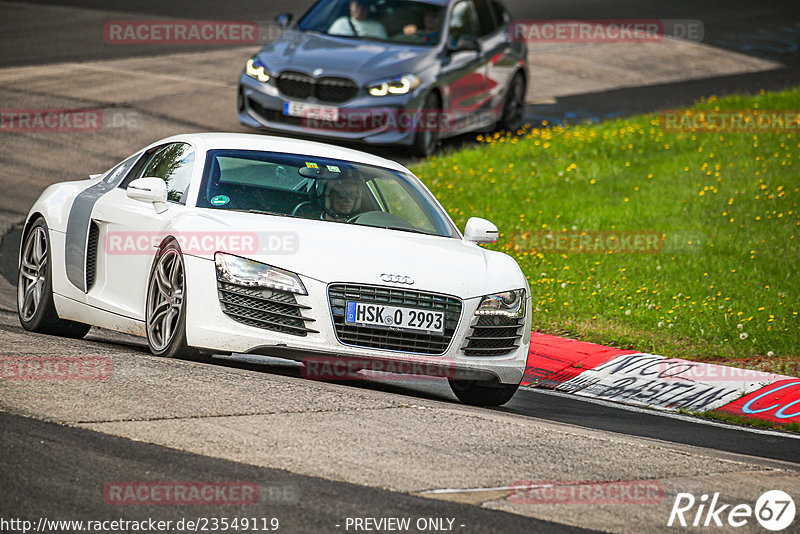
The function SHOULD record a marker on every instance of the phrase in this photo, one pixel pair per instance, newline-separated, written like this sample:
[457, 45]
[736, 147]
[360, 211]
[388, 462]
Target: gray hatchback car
[392, 72]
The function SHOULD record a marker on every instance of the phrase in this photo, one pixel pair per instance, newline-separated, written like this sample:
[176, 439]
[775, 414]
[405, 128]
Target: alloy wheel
[165, 299]
[32, 274]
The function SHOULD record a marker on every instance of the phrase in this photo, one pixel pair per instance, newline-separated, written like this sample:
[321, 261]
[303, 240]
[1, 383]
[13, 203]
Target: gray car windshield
[323, 189]
[396, 21]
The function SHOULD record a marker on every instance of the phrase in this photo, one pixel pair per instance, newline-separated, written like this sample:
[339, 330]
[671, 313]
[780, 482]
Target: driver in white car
[342, 199]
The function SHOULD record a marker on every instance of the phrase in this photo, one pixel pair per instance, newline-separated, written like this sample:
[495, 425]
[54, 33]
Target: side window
[501, 16]
[115, 175]
[462, 22]
[172, 163]
[486, 20]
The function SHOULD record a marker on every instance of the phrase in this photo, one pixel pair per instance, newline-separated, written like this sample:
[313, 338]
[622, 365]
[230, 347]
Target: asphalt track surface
[50, 471]
[769, 29]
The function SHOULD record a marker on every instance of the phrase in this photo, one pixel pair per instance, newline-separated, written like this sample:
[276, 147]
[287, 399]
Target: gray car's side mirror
[284, 19]
[153, 190]
[466, 43]
[480, 230]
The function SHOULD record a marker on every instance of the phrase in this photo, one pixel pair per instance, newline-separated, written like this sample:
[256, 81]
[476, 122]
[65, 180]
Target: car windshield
[396, 21]
[323, 189]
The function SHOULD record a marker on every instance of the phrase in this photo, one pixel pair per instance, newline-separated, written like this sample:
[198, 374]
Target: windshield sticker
[312, 165]
[220, 200]
[333, 168]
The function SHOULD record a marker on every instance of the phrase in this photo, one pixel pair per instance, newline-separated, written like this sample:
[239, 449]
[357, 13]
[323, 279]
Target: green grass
[745, 421]
[725, 283]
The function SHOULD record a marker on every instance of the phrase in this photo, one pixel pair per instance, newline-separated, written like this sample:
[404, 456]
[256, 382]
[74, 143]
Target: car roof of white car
[266, 143]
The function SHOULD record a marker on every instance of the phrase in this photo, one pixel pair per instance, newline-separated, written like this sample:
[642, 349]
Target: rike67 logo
[774, 510]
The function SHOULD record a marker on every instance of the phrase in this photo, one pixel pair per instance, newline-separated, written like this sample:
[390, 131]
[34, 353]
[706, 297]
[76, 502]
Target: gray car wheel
[35, 306]
[165, 314]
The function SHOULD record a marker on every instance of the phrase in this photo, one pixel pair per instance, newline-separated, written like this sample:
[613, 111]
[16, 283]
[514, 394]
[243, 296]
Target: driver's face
[359, 10]
[431, 20]
[343, 198]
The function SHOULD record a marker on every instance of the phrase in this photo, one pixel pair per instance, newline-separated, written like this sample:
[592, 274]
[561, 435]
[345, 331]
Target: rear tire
[165, 307]
[482, 393]
[35, 306]
[425, 139]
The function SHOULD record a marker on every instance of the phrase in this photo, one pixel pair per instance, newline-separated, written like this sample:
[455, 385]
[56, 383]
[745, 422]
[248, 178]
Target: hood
[332, 252]
[341, 56]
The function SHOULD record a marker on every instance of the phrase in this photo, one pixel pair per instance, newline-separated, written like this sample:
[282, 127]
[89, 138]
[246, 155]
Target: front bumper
[364, 118]
[208, 327]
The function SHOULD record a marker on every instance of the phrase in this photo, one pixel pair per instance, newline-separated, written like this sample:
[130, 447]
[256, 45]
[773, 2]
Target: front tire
[426, 139]
[513, 106]
[165, 312]
[35, 306]
[482, 393]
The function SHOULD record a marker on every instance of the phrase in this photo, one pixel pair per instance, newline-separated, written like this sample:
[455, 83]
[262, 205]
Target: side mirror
[283, 20]
[466, 43]
[480, 230]
[153, 190]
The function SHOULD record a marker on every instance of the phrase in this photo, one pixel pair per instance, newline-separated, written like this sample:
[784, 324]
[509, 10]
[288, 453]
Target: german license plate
[311, 111]
[366, 314]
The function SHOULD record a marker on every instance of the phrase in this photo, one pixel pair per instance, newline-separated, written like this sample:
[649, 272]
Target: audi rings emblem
[397, 279]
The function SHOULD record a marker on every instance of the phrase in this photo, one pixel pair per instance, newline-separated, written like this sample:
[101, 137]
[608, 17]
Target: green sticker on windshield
[220, 200]
[333, 168]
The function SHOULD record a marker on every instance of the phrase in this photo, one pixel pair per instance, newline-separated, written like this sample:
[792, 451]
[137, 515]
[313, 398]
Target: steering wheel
[303, 203]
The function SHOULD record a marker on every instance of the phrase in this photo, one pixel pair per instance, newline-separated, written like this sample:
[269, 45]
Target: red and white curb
[648, 380]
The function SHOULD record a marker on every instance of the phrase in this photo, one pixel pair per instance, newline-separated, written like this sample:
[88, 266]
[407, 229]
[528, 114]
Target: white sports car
[230, 243]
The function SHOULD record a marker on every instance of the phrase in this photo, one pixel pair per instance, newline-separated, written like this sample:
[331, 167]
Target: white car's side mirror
[480, 230]
[153, 190]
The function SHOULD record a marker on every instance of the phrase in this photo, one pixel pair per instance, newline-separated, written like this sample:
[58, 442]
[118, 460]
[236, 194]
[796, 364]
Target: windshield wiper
[262, 212]
[409, 230]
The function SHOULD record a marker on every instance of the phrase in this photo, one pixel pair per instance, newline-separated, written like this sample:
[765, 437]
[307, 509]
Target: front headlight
[400, 85]
[256, 69]
[244, 272]
[506, 304]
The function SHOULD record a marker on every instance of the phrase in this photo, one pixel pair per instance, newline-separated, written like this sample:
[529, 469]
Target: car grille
[360, 123]
[273, 115]
[383, 338]
[328, 89]
[91, 255]
[493, 336]
[270, 309]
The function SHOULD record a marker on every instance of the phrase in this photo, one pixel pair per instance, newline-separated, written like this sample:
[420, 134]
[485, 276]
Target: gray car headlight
[506, 304]
[255, 69]
[399, 85]
[244, 272]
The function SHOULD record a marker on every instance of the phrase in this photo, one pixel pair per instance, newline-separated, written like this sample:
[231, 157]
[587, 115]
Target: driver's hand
[410, 29]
